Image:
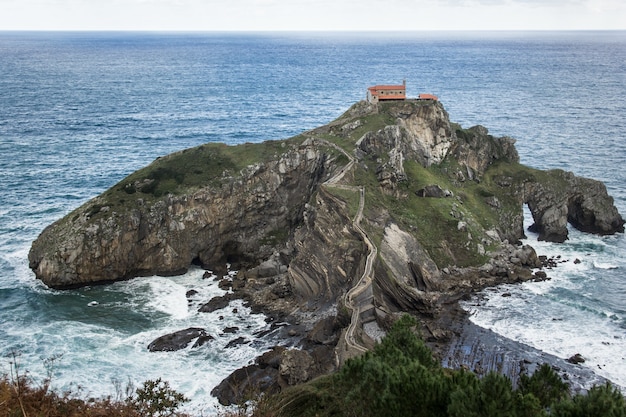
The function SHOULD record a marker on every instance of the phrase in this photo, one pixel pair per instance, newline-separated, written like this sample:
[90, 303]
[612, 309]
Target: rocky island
[389, 209]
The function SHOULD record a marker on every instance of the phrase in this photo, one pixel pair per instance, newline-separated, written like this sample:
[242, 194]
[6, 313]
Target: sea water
[80, 111]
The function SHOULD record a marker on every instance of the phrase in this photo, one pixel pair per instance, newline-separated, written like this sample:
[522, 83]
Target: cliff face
[420, 133]
[238, 220]
[328, 252]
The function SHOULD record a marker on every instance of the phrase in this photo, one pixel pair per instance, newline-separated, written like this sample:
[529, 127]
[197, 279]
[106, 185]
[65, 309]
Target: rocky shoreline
[482, 350]
[306, 343]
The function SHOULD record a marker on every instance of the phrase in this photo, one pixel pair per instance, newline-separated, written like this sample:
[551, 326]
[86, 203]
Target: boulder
[236, 342]
[177, 340]
[246, 382]
[230, 330]
[296, 366]
[493, 202]
[433, 191]
[325, 332]
[216, 303]
[527, 256]
[271, 358]
[202, 340]
[225, 284]
[576, 359]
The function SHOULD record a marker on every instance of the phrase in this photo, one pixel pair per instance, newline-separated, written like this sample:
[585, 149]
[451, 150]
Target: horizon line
[317, 31]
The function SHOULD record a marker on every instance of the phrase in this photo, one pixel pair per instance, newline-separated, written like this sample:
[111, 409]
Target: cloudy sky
[253, 15]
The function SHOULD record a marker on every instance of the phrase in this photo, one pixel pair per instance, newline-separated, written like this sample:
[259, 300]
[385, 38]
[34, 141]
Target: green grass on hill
[197, 167]
[185, 171]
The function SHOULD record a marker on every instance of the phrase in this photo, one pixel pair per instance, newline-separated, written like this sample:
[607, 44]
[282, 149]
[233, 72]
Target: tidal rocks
[202, 340]
[238, 341]
[217, 303]
[230, 330]
[178, 340]
[484, 351]
[576, 359]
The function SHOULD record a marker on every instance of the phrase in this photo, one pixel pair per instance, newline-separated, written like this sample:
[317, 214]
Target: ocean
[80, 110]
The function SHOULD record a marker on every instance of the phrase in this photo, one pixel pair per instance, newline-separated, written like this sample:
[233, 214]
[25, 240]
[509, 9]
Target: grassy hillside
[433, 221]
[183, 172]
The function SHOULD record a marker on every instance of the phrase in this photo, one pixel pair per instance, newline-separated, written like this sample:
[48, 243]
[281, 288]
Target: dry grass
[22, 397]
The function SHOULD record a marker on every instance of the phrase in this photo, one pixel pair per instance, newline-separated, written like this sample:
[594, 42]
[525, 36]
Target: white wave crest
[604, 265]
[168, 297]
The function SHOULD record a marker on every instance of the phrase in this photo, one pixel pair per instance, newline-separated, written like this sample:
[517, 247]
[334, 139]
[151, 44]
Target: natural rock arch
[565, 198]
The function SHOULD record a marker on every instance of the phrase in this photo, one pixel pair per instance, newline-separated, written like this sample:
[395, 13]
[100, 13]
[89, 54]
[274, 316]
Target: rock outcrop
[328, 252]
[476, 150]
[582, 202]
[235, 221]
[388, 209]
[421, 133]
[180, 340]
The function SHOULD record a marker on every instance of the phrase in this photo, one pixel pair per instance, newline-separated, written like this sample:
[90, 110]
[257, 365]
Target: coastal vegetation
[21, 396]
[184, 171]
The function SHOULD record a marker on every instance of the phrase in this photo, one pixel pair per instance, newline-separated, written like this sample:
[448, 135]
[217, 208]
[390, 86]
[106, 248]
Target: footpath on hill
[353, 298]
[473, 347]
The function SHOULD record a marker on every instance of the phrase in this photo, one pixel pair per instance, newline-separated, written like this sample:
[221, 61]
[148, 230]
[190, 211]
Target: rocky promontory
[391, 208]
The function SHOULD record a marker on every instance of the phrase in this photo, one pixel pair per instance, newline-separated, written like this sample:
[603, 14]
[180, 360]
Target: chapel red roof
[428, 97]
[387, 87]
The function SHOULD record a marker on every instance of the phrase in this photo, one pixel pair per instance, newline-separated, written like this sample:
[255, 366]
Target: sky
[312, 15]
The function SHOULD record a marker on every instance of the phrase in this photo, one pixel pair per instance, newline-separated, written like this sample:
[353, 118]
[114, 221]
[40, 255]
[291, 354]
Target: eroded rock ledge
[299, 218]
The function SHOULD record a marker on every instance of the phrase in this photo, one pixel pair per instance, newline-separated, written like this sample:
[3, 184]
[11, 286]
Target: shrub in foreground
[21, 397]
